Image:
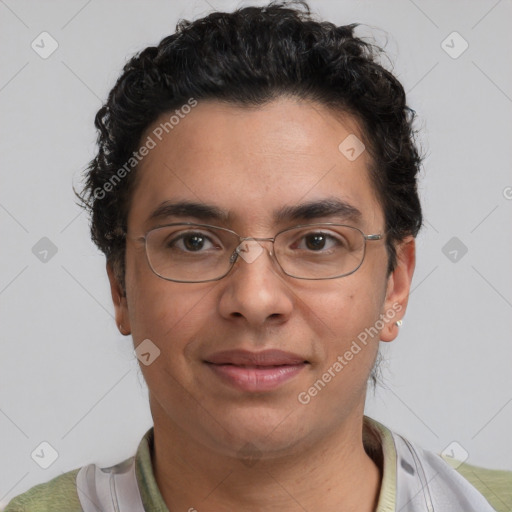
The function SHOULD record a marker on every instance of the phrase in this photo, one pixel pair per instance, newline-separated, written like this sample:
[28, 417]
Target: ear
[120, 303]
[398, 288]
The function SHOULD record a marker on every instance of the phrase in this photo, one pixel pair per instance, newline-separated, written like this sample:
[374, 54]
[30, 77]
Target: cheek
[173, 319]
[347, 317]
[350, 305]
[165, 312]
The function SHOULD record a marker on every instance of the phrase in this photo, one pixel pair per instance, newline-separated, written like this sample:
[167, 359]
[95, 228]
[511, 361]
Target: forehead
[253, 163]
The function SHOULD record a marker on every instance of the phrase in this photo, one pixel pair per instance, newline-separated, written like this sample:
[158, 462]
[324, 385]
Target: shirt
[60, 495]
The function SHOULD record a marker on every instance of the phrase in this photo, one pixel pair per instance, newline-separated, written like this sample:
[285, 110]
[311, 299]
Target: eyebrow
[328, 207]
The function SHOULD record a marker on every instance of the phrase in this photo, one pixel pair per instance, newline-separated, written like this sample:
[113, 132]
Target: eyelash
[182, 236]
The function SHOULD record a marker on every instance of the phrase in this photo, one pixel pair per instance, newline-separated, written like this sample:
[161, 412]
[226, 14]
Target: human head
[232, 81]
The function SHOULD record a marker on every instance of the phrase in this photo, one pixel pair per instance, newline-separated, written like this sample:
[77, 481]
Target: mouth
[256, 371]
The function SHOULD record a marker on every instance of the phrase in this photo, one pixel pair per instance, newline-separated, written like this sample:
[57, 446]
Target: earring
[399, 323]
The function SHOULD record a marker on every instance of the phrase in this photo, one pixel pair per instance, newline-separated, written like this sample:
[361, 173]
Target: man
[254, 193]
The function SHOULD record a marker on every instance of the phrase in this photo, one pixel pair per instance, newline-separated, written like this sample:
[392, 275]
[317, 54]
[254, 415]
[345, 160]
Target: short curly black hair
[250, 57]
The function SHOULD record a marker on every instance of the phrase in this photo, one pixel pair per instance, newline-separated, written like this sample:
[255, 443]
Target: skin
[249, 162]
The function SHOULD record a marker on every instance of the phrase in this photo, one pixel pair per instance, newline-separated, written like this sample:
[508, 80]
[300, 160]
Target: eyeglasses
[198, 253]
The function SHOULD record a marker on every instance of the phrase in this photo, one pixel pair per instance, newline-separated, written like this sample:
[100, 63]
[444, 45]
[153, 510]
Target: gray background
[69, 378]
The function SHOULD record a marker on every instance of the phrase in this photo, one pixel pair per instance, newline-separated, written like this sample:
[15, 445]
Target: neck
[335, 474]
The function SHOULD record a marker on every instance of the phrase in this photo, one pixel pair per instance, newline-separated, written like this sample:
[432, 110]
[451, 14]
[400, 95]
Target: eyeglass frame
[233, 259]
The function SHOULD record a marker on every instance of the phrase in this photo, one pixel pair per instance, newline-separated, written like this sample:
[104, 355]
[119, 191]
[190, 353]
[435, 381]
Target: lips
[246, 358]
[255, 371]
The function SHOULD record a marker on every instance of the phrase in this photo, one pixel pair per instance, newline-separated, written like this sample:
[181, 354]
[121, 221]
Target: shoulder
[495, 485]
[57, 495]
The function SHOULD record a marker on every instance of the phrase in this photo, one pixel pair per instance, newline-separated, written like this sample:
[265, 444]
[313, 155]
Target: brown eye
[316, 241]
[193, 242]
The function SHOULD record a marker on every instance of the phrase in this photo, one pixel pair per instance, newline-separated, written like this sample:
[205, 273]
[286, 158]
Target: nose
[256, 291]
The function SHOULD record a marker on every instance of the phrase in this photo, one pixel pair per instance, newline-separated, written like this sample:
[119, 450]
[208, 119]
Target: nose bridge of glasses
[250, 248]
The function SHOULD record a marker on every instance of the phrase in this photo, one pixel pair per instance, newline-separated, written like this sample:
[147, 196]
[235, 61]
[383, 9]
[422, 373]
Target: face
[250, 163]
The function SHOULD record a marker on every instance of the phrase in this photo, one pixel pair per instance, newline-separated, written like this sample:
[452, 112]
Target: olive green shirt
[60, 495]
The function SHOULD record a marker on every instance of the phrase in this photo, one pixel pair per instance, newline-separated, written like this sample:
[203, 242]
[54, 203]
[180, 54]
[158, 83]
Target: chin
[257, 432]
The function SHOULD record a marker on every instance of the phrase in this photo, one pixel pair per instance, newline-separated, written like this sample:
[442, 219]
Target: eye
[192, 242]
[318, 241]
